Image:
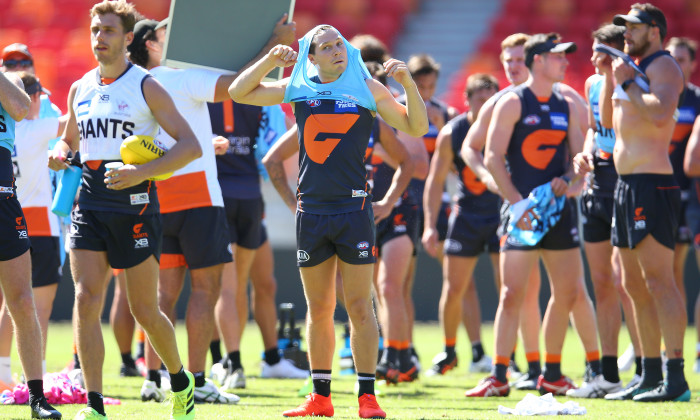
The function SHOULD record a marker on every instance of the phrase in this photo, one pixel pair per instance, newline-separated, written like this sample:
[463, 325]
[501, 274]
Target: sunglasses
[10, 64]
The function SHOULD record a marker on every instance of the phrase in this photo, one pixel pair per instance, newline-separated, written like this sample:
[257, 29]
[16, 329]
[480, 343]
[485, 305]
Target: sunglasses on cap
[10, 64]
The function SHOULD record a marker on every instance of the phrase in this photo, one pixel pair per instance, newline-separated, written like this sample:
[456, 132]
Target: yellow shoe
[89, 413]
[183, 401]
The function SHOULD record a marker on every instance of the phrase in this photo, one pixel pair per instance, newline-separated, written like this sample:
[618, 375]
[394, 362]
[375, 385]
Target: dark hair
[371, 48]
[533, 42]
[138, 52]
[29, 81]
[682, 41]
[610, 34]
[125, 11]
[319, 31]
[659, 20]
[377, 71]
[479, 81]
[422, 64]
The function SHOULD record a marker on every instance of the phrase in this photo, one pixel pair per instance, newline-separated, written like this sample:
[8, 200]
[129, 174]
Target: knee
[319, 310]
[204, 296]
[568, 297]
[265, 288]
[391, 291]
[360, 310]
[511, 297]
[146, 316]
[657, 287]
[87, 302]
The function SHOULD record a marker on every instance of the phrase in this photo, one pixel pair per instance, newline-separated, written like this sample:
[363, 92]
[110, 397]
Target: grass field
[428, 398]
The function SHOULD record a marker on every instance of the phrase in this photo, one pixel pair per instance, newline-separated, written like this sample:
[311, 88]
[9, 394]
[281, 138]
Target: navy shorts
[351, 236]
[14, 240]
[199, 235]
[401, 221]
[470, 234]
[596, 216]
[564, 235]
[128, 239]
[46, 261]
[646, 204]
[442, 221]
[244, 217]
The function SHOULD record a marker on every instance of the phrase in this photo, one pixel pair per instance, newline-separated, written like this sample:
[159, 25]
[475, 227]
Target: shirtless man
[647, 200]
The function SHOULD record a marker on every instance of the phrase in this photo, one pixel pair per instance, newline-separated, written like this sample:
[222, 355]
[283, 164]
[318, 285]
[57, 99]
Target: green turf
[428, 398]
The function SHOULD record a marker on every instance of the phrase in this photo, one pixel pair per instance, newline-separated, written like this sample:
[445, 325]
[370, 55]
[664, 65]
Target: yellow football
[139, 149]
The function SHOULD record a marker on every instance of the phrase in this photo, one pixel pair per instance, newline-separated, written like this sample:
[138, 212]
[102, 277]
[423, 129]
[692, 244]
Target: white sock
[6, 370]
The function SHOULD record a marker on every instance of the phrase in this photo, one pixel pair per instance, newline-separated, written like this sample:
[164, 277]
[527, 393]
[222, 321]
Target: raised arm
[505, 115]
[472, 151]
[248, 88]
[283, 34]
[12, 96]
[402, 176]
[440, 166]
[665, 86]
[283, 149]
[411, 118]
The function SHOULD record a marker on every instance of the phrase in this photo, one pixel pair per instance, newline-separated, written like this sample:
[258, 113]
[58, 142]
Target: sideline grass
[428, 398]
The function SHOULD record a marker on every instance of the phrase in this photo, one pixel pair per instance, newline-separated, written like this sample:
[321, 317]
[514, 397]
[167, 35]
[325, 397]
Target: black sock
[534, 368]
[272, 356]
[675, 376]
[595, 367]
[36, 390]
[140, 349]
[477, 351]
[76, 361]
[405, 363]
[366, 382]
[391, 354]
[610, 371]
[638, 365]
[96, 402]
[652, 372]
[450, 350]
[552, 372]
[215, 350]
[235, 358]
[199, 379]
[128, 360]
[322, 382]
[179, 381]
[154, 376]
[500, 372]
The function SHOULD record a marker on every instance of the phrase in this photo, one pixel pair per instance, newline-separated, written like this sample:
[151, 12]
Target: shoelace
[179, 401]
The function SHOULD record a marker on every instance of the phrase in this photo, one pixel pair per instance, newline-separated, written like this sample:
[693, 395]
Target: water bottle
[67, 187]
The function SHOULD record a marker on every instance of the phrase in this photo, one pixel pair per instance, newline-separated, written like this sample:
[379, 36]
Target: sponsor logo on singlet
[531, 120]
[359, 193]
[452, 245]
[363, 245]
[559, 121]
[6, 190]
[138, 199]
[313, 103]
[343, 106]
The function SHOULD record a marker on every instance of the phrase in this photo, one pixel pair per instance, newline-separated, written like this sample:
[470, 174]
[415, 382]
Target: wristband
[626, 84]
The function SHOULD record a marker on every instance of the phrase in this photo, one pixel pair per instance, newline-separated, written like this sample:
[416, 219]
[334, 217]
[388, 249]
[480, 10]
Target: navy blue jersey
[688, 112]
[472, 194]
[333, 139]
[417, 186]
[237, 169]
[374, 138]
[538, 149]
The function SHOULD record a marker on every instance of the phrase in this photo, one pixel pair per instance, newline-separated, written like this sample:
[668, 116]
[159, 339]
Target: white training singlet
[195, 185]
[32, 176]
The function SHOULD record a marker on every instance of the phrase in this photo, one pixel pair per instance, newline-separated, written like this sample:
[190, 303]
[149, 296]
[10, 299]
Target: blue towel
[547, 209]
[272, 126]
[350, 86]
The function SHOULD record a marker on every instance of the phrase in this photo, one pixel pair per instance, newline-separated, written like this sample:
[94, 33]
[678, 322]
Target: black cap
[141, 29]
[635, 16]
[546, 46]
[33, 88]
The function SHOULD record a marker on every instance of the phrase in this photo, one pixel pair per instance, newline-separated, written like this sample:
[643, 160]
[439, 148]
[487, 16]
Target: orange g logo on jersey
[540, 147]
[329, 124]
[137, 227]
[472, 182]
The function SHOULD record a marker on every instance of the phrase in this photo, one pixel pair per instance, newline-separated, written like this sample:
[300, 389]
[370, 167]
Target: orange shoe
[315, 405]
[409, 376]
[369, 409]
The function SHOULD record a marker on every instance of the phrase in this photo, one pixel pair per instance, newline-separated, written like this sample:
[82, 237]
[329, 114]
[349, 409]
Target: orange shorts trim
[172, 261]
